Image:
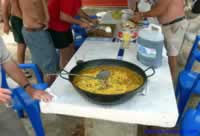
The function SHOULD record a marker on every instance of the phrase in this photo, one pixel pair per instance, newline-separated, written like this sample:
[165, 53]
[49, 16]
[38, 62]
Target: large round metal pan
[113, 98]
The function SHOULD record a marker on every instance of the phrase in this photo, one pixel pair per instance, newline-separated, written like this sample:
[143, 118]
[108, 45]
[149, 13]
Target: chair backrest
[37, 73]
[194, 54]
[3, 83]
[35, 69]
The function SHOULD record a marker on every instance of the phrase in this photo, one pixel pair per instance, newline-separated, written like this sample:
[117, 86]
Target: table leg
[106, 128]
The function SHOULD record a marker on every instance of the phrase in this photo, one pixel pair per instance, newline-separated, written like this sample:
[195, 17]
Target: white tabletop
[156, 108]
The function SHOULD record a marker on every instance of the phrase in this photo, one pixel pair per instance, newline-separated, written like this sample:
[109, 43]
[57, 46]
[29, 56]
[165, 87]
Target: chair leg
[34, 116]
[190, 124]
[32, 109]
[177, 92]
[182, 101]
[20, 113]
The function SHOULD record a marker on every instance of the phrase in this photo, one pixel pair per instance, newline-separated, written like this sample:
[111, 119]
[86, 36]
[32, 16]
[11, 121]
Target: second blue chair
[188, 81]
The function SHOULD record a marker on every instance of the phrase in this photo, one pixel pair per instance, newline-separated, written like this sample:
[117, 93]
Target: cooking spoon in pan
[102, 75]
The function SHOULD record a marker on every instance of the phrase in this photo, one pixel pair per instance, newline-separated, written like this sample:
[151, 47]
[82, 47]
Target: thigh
[42, 50]
[174, 36]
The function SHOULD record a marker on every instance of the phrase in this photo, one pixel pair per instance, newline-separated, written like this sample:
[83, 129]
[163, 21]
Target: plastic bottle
[145, 23]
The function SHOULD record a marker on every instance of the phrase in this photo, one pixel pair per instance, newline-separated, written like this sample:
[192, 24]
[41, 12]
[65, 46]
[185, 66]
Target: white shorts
[174, 36]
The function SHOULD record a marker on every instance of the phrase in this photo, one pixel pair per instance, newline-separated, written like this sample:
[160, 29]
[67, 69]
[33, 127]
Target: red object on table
[120, 34]
[106, 3]
[134, 35]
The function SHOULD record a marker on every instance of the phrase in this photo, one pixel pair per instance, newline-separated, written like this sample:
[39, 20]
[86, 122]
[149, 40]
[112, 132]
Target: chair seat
[186, 80]
[26, 98]
[190, 125]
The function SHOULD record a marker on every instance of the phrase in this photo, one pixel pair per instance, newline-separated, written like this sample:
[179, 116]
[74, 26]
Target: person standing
[62, 15]
[170, 14]
[35, 19]
[11, 7]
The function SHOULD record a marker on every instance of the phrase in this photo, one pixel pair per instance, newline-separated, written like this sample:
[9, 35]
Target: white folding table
[157, 108]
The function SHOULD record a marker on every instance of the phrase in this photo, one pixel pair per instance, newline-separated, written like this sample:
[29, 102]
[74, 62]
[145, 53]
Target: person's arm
[5, 4]
[16, 74]
[82, 14]
[66, 11]
[69, 19]
[157, 10]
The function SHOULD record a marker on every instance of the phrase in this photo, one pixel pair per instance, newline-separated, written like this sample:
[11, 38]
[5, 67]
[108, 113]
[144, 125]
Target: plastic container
[150, 46]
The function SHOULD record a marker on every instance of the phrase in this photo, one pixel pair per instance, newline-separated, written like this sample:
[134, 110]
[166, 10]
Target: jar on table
[150, 46]
[126, 39]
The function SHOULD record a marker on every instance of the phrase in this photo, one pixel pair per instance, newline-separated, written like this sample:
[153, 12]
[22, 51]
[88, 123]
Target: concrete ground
[56, 125]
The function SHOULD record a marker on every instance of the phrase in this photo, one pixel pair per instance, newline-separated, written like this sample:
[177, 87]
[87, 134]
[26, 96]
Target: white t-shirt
[4, 55]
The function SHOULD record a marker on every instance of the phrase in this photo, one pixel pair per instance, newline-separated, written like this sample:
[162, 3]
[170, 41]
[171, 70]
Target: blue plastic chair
[190, 125]
[80, 34]
[21, 101]
[187, 80]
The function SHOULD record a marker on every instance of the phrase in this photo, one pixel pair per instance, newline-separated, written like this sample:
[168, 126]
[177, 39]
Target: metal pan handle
[78, 62]
[62, 73]
[153, 71]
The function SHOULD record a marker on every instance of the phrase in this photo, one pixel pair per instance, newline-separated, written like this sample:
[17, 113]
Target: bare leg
[49, 79]
[66, 54]
[21, 49]
[173, 64]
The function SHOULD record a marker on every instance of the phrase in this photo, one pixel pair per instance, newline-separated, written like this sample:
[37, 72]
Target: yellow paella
[121, 80]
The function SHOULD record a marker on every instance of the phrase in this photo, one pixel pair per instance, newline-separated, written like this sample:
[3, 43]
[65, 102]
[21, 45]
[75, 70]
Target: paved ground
[68, 126]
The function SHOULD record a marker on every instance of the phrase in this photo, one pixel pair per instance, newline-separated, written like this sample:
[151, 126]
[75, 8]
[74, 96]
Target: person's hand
[4, 96]
[6, 28]
[85, 25]
[40, 95]
[137, 17]
[94, 21]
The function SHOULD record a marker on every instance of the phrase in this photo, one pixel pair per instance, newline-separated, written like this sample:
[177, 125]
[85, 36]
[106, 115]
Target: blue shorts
[42, 50]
